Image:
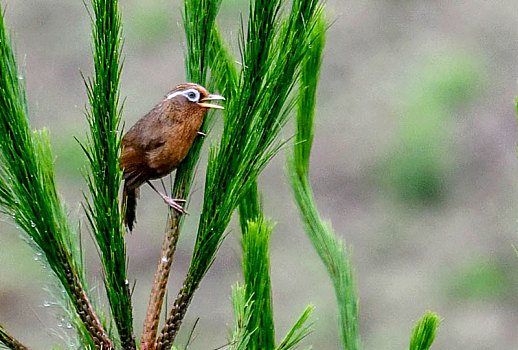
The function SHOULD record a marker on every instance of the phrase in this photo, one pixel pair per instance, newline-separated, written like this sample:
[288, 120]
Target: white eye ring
[192, 95]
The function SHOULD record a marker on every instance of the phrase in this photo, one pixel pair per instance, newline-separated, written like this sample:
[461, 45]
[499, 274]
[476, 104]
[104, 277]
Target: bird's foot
[202, 133]
[173, 203]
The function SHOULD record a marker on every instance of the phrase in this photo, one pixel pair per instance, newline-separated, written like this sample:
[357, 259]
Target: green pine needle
[199, 17]
[224, 72]
[250, 208]
[300, 330]
[103, 150]
[331, 249]
[240, 335]
[256, 270]
[424, 331]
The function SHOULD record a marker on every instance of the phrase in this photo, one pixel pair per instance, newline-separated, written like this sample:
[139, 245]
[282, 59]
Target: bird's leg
[172, 202]
[202, 133]
[163, 185]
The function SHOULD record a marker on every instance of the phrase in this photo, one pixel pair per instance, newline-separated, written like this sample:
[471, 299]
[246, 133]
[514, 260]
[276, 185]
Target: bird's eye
[192, 95]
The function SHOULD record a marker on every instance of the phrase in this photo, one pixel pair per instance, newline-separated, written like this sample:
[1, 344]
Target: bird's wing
[136, 171]
[145, 135]
[146, 153]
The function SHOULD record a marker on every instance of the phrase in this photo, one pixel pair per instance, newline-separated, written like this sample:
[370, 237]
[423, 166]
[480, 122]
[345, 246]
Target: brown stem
[9, 341]
[147, 342]
[85, 309]
[174, 321]
[182, 182]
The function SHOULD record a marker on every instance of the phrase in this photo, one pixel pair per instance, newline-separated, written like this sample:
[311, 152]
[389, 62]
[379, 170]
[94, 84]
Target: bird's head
[193, 96]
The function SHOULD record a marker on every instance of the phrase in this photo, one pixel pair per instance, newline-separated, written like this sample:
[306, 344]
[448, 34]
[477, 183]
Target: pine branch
[424, 331]
[184, 297]
[28, 192]
[103, 150]
[172, 324]
[9, 341]
[199, 18]
[156, 299]
[330, 248]
[254, 117]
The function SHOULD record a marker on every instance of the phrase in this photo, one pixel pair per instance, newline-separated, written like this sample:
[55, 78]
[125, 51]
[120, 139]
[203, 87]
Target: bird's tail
[129, 202]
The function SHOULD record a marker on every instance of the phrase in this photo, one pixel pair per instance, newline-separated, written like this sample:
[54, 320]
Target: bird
[157, 143]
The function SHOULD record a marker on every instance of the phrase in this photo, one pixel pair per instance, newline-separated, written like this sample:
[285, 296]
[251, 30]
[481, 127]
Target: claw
[172, 202]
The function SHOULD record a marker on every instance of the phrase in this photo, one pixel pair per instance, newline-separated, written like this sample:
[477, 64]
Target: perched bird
[160, 140]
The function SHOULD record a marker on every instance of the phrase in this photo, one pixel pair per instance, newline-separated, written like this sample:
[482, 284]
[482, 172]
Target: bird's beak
[211, 98]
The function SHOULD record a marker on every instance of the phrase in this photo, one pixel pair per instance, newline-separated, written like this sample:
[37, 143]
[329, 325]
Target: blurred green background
[414, 162]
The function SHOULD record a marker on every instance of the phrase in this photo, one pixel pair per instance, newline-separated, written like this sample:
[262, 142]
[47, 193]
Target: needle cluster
[260, 327]
[28, 194]
[258, 107]
[424, 331]
[256, 271]
[103, 149]
[240, 334]
[330, 248]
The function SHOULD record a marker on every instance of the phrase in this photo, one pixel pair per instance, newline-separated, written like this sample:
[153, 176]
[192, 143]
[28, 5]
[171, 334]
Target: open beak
[211, 98]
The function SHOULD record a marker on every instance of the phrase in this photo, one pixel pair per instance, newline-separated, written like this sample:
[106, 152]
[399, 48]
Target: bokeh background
[414, 163]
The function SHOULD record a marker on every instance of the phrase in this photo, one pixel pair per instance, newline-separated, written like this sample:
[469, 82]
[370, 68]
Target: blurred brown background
[414, 163]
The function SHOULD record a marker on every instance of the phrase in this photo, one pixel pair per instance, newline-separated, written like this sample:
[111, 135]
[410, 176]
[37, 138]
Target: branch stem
[156, 299]
[9, 341]
[85, 309]
[174, 321]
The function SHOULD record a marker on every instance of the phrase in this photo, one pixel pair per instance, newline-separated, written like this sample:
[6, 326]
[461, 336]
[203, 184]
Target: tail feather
[129, 200]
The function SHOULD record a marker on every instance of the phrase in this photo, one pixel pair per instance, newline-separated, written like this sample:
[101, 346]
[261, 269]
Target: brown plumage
[160, 140]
